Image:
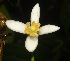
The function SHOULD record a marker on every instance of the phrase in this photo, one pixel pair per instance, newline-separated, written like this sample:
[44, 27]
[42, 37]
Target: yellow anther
[33, 23]
[28, 24]
[33, 29]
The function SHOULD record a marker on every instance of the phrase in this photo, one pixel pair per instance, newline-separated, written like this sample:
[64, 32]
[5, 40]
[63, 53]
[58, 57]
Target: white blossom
[31, 41]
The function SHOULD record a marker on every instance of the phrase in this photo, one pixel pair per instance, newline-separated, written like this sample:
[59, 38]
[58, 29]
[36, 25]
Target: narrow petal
[48, 29]
[31, 43]
[16, 26]
[35, 14]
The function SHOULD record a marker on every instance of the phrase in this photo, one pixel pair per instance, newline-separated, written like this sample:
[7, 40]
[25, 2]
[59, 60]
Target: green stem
[32, 59]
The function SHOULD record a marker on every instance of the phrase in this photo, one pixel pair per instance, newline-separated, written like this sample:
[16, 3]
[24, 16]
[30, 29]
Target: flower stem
[32, 59]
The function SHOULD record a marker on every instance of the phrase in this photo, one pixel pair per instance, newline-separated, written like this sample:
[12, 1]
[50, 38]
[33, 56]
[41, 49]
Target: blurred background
[52, 47]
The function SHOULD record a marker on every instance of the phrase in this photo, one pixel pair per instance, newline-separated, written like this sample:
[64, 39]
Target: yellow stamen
[28, 24]
[33, 29]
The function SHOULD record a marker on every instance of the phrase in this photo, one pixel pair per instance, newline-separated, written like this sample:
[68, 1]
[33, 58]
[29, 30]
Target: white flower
[33, 30]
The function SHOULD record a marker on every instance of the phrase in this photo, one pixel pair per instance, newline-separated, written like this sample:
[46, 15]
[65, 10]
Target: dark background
[52, 47]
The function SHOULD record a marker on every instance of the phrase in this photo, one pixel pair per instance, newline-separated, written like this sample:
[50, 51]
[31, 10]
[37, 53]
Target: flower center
[33, 29]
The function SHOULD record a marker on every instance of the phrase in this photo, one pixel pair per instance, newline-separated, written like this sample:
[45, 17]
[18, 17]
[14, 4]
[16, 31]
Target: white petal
[48, 29]
[35, 14]
[31, 43]
[16, 26]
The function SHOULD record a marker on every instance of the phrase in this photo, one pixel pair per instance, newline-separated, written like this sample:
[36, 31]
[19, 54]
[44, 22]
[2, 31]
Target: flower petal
[31, 43]
[35, 14]
[48, 29]
[16, 26]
